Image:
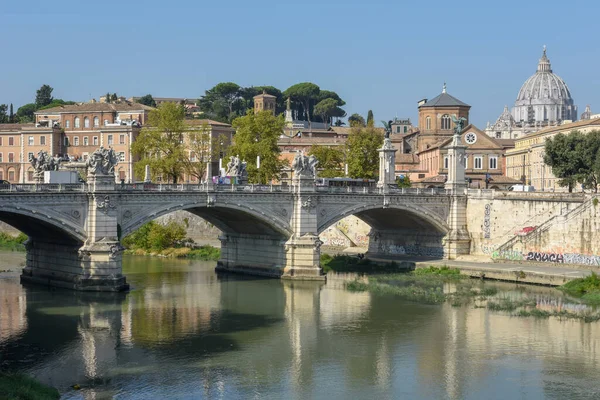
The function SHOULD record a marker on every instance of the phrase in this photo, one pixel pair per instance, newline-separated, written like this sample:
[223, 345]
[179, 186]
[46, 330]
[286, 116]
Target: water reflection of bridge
[244, 335]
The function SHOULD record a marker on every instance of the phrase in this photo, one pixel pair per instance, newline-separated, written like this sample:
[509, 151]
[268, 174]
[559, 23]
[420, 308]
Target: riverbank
[444, 284]
[549, 275]
[18, 386]
[202, 253]
[472, 266]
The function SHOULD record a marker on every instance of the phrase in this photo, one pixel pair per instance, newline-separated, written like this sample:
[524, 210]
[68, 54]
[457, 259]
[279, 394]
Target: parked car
[4, 182]
[522, 188]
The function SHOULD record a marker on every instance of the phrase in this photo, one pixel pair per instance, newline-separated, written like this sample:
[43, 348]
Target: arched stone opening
[397, 231]
[251, 241]
[54, 256]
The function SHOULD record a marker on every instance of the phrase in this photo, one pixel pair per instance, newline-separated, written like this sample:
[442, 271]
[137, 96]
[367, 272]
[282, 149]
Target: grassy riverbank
[344, 263]
[587, 289]
[204, 253]
[430, 286]
[15, 386]
[12, 243]
[154, 239]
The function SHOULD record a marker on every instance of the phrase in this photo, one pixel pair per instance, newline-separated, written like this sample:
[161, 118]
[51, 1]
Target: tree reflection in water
[185, 331]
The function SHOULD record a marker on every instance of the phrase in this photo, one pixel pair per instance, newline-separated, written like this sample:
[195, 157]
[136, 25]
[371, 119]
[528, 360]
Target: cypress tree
[370, 120]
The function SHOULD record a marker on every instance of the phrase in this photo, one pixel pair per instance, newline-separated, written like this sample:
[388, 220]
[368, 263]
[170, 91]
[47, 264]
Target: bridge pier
[458, 241]
[95, 266]
[303, 249]
[70, 266]
[251, 254]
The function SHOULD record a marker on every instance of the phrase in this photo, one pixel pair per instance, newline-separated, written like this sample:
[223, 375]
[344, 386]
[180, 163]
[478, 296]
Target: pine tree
[11, 115]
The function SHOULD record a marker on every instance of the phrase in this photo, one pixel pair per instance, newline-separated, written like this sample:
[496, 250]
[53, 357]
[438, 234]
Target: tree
[257, 135]
[3, 113]
[202, 150]
[403, 181]
[362, 156]
[356, 120]
[11, 115]
[220, 101]
[160, 143]
[25, 113]
[147, 100]
[370, 120]
[589, 176]
[326, 109]
[247, 98]
[107, 96]
[564, 154]
[305, 94]
[331, 161]
[43, 96]
[328, 94]
[56, 103]
[113, 98]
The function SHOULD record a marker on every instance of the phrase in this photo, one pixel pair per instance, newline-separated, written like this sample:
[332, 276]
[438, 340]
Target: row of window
[86, 140]
[11, 174]
[477, 161]
[446, 122]
[11, 158]
[11, 141]
[86, 122]
[31, 141]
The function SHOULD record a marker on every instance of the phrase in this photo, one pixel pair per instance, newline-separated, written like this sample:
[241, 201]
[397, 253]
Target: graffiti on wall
[412, 249]
[507, 255]
[545, 257]
[551, 256]
[572, 258]
[334, 242]
[361, 240]
[525, 231]
[486, 221]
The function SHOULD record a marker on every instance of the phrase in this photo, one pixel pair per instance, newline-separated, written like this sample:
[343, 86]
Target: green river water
[184, 332]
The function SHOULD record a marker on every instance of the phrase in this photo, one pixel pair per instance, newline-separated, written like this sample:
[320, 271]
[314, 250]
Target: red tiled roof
[95, 107]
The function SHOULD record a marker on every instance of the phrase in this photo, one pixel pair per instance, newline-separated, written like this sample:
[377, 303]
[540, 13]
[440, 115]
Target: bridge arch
[380, 217]
[228, 217]
[397, 229]
[43, 224]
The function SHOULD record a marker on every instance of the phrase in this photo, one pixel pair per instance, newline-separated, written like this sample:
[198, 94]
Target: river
[185, 332]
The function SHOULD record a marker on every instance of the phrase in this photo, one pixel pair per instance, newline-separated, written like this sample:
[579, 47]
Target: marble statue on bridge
[235, 167]
[305, 167]
[102, 162]
[43, 162]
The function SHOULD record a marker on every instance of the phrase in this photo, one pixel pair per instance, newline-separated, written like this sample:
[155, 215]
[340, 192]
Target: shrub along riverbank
[18, 386]
[429, 286]
[167, 240]
[12, 243]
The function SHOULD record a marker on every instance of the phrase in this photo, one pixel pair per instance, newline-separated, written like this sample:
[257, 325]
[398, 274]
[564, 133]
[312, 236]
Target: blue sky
[379, 55]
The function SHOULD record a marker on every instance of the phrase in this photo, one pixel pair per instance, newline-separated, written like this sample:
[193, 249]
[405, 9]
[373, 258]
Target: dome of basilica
[544, 97]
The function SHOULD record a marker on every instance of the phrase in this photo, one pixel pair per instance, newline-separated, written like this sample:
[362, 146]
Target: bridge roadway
[75, 230]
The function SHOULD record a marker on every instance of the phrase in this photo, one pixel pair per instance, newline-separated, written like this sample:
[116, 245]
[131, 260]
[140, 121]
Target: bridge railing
[157, 187]
[379, 190]
[45, 187]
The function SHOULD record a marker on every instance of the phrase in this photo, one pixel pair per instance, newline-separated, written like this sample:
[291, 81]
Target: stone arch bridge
[75, 230]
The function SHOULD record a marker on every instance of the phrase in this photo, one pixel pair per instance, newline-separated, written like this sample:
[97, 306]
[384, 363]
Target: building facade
[484, 162]
[525, 162]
